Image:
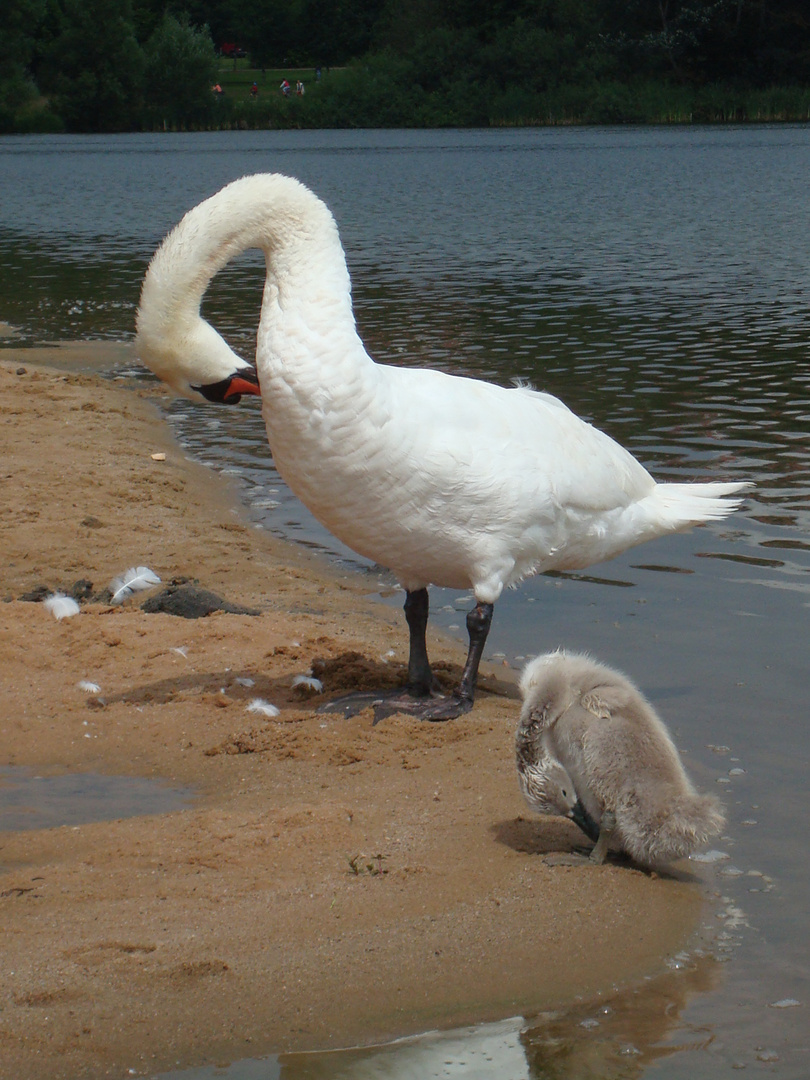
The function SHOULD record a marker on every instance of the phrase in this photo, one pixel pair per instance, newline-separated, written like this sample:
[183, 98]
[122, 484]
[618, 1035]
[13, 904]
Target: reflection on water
[657, 281]
[616, 1038]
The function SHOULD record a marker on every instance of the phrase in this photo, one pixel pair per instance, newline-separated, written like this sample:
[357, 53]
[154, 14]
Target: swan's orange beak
[244, 382]
[229, 391]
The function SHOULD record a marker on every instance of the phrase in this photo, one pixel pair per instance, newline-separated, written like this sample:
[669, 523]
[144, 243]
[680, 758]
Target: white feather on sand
[131, 581]
[61, 606]
[307, 683]
[259, 705]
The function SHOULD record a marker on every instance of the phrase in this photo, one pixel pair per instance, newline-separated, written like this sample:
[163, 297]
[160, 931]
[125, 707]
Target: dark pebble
[37, 594]
[191, 602]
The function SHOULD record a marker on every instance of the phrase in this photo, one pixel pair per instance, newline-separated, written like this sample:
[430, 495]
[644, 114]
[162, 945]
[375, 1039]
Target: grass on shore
[238, 76]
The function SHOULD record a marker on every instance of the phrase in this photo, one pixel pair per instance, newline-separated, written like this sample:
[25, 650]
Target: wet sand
[333, 883]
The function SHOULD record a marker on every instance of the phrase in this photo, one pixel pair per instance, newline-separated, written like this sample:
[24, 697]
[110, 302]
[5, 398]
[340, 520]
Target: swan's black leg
[436, 707]
[419, 686]
[419, 699]
[420, 677]
[479, 621]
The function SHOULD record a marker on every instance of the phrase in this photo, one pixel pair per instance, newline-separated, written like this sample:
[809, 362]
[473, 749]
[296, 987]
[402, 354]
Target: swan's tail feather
[683, 505]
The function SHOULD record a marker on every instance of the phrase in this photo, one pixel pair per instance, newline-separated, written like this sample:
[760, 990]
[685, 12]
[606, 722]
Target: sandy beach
[333, 883]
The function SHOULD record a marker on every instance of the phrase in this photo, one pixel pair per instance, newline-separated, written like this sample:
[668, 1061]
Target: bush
[92, 66]
[181, 68]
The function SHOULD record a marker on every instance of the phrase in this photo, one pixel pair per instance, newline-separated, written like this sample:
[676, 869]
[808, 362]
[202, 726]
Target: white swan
[589, 746]
[445, 480]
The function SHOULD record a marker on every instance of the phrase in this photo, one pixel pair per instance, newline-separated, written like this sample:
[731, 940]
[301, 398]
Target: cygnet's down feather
[600, 729]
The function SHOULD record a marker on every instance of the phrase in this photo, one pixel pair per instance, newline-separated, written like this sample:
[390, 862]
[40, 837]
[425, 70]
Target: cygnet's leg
[580, 816]
[420, 698]
[606, 829]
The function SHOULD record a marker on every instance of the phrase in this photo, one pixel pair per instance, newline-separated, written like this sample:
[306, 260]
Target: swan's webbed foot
[352, 704]
[436, 708]
[385, 703]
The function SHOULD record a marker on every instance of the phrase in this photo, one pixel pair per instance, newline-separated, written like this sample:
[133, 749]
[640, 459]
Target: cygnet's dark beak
[580, 816]
[229, 391]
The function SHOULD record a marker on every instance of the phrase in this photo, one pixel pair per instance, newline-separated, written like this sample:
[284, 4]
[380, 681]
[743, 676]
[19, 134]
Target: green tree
[218, 15]
[266, 28]
[336, 31]
[91, 64]
[401, 22]
[146, 17]
[181, 67]
[753, 42]
[19, 24]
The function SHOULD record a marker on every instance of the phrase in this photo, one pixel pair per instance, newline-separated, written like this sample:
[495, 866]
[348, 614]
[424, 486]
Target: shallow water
[657, 280]
[28, 801]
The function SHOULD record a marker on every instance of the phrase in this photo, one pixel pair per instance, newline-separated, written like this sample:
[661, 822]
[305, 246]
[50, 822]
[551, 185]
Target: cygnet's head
[560, 793]
[549, 789]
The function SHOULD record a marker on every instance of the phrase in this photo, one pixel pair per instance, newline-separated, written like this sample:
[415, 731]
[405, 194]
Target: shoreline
[334, 883]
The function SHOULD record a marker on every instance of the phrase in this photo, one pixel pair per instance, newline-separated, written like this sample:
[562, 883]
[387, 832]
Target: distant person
[317, 74]
[218, 90]
[285, 88]
[299, 88]
[254, 90]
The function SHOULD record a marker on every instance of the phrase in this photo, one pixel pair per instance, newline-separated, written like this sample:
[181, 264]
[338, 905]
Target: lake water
[658, 281]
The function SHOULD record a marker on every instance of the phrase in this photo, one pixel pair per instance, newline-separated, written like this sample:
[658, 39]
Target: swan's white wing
[513, 452]
[458, 482]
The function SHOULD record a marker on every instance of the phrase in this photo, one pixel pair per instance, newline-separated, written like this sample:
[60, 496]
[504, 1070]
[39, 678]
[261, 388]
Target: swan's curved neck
[306, 270]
